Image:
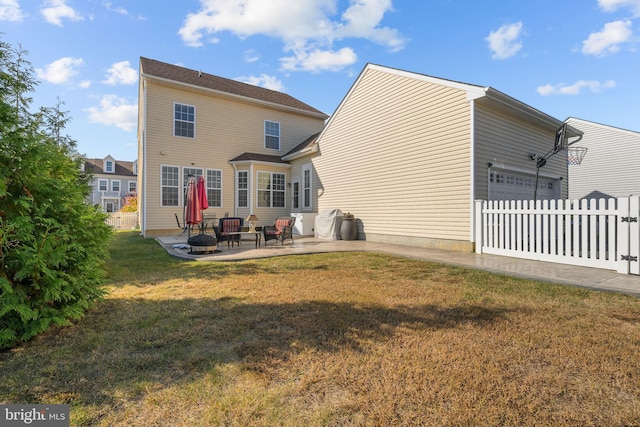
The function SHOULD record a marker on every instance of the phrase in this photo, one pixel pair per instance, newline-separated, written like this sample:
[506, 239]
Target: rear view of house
[610, 167]
[408, 153]
[233, 134]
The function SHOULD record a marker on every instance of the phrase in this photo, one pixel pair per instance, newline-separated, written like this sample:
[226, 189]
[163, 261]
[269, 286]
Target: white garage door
[508, 185]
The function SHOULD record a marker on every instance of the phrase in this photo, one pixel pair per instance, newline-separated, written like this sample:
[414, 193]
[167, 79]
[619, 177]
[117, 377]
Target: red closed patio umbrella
[193, 214]
[202, 194]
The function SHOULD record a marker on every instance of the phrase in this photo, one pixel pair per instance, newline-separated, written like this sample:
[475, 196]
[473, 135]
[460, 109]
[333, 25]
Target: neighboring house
[233, 134]
[611, 166]
[408, 154]
[112, 181]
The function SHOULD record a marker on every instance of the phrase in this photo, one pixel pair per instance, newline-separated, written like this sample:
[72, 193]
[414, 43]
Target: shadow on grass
[169, 343]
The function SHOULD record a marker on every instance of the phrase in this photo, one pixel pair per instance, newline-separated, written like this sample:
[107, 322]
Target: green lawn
[333, 339]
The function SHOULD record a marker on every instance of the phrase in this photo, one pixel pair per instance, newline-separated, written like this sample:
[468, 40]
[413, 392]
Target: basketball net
[575, 155]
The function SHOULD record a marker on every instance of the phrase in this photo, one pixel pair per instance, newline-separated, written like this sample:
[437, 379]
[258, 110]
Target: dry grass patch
[334, 339]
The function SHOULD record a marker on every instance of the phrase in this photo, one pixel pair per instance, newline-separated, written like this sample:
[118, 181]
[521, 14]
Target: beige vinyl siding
[611, 166]
[502, 139]
[224, 129]
[296, 175]
[396, 155]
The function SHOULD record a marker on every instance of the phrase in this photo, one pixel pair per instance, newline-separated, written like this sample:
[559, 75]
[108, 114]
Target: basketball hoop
[575, 155]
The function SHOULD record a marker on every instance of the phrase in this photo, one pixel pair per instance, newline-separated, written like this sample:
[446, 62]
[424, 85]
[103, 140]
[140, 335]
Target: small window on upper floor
[108, 166]
[272, 135]
[184, 120]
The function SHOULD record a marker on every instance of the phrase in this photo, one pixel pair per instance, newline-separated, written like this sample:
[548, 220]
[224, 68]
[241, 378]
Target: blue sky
[567, 58]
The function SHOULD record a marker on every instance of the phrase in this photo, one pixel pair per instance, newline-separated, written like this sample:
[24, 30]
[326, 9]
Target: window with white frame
[190, 172]
[108, 166]
[306, 187]
[115, 185]
[271, 193]
[214, 188]
[295, 195]
[272, 135]
[184, 120]
[169, 186]
[243, 189]
[102, 184]
[132, 186]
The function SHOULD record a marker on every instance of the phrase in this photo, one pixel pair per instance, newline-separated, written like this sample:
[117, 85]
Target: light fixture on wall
[252, 219]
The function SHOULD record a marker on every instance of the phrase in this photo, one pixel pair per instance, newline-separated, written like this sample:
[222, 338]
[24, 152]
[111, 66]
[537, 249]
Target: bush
[53, 245]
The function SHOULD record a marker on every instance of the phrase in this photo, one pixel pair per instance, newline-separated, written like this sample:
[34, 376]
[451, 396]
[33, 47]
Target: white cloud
[120, 10]
[251, 56]
[10, 11]
[60, 71]
[575, 89]
[85, 84]
[57, 10]
[264, 80]
[609, 39]
[319, 60]
[504, 42]
[114, 111]
[121, 73]
[613, 5]
[306, 27]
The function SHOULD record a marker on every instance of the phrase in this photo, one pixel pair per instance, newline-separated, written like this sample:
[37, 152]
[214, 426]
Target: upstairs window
[108, 166]
[272, 135]
[102, 185]
[115, 185]
[184, 120]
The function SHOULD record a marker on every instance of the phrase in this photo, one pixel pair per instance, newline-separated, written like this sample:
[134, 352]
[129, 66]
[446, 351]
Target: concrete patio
[591, 278]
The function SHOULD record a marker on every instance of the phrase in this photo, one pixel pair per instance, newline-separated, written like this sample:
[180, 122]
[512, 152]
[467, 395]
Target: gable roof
[303, 148]
[150, 68]
[121, 167]
[483, 94]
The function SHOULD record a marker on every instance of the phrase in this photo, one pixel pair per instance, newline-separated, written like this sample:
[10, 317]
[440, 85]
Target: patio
[586, 277]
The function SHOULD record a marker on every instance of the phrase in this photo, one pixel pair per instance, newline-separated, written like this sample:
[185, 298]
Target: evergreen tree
[53, 244]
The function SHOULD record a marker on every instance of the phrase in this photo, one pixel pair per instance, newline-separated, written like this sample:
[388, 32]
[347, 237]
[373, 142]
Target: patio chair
[229, 225]
[281, 230]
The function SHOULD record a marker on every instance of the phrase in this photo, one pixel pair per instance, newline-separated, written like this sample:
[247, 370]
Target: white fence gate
[592, 233]
[123, 220]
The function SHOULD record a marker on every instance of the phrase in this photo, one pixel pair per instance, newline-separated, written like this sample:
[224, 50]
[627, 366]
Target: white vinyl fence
[600, 233]
[123, 220]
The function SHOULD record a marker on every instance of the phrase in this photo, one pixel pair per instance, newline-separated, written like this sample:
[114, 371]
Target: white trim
[293, 187]
[237, 190]
[271, 190]
[113, 181]
[206, 185]
[173, 120]
[279, 135]
[303, 205]
[472, 166]
[160, 187]
[523, 170]
[106, 184]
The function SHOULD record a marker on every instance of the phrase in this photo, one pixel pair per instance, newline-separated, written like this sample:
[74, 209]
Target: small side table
[257, 234]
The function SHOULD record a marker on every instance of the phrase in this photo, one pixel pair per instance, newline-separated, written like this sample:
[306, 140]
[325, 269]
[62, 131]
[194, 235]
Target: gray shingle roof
[151, 67]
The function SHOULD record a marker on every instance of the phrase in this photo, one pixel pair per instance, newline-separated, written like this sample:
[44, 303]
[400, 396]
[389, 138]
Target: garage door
[507, 185]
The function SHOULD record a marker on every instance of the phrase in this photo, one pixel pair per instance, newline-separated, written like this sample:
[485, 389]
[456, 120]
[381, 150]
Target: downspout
[145, 160]
[472, 169]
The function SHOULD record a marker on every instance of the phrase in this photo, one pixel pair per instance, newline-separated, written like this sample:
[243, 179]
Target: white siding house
[611, 166]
